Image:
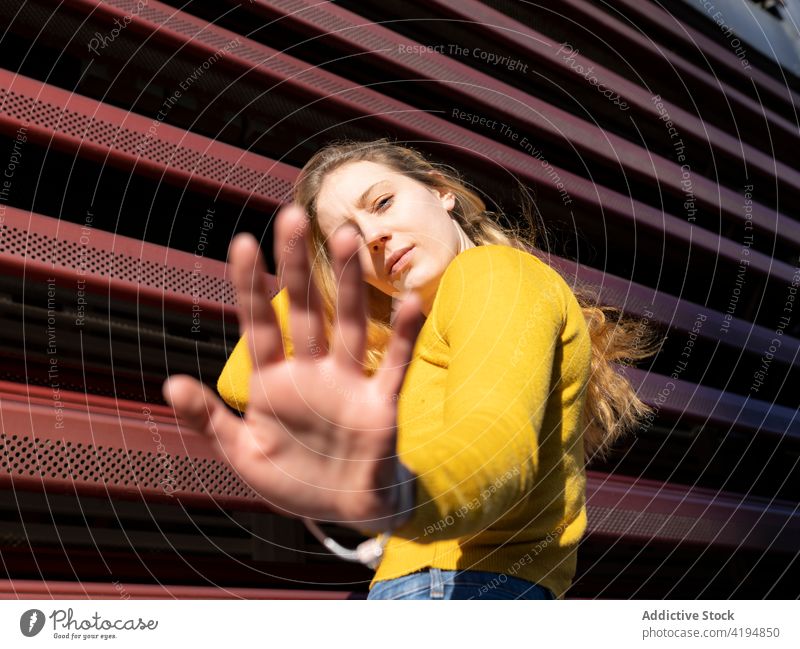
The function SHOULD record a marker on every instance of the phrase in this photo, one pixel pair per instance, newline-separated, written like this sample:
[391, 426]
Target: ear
[447, 197]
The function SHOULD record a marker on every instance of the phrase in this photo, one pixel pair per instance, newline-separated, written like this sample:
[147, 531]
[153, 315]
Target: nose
[376, 234]
[378, 242]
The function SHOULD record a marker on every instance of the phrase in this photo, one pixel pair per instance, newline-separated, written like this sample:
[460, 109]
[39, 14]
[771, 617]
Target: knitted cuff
[403, 496]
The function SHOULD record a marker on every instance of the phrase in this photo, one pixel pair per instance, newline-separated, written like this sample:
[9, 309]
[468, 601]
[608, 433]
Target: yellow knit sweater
[489, 420]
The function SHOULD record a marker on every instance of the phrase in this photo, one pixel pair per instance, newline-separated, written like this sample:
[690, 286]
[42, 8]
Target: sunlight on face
[392, 213]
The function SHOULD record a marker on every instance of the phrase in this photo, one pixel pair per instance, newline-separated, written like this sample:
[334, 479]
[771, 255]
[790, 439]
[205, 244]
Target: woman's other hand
[318, 439]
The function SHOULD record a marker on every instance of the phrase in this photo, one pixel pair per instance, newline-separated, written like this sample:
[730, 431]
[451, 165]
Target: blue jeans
[433, 583]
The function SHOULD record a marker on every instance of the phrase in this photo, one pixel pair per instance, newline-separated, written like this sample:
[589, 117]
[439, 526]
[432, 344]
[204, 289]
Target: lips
[396, 257]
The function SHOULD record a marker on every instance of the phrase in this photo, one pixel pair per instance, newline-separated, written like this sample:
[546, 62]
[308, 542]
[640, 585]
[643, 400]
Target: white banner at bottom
[263, 623]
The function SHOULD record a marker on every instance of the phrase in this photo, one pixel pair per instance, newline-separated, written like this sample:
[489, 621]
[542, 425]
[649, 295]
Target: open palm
[318, 439]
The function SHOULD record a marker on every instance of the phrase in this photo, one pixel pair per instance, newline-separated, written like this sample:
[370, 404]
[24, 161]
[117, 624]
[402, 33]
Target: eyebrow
[362, 200]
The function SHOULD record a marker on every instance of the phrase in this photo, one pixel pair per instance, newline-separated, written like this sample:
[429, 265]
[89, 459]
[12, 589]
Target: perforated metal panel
[75, 462]
[118, 266]
[623, 522]
[619, 506]
[128, 136]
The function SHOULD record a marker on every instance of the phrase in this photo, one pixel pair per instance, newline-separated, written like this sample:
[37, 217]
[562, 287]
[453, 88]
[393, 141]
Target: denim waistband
[435, 583]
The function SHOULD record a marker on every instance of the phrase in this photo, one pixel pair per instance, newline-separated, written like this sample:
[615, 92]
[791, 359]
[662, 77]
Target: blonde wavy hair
[612, 407]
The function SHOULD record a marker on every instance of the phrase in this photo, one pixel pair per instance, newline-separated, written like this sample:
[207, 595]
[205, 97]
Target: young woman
[457, 424]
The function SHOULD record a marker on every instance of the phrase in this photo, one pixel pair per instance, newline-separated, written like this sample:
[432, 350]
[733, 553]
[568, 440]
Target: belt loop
[437, 585]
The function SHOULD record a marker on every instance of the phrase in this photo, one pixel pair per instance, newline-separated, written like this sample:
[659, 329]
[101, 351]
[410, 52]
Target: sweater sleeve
[233, 383]
[500, 311]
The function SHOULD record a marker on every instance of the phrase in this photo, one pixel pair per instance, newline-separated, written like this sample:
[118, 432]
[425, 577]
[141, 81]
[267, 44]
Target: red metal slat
[65, 447]
[677, 314]
[35, 246]
[94, 403]
[109, 135]
[648, 510]
[50, 589]
[709, 405]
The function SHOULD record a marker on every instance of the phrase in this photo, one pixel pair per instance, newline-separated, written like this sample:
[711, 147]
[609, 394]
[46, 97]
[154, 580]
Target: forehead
[342, 188]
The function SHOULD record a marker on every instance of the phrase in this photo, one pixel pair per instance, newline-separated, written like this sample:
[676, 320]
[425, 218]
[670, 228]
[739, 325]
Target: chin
[397, 289]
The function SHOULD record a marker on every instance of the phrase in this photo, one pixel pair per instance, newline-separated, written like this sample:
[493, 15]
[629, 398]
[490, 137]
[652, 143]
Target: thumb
[201, 408]
[407, 325]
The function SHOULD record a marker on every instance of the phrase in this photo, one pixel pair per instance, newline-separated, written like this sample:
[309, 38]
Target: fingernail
[244, 236]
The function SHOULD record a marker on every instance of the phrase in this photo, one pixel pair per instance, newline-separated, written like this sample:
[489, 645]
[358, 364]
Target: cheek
[439, 235]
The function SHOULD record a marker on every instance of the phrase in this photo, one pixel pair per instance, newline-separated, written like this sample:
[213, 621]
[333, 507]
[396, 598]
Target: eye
[384, 203]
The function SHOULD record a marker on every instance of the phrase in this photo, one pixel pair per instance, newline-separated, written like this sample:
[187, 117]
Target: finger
[202, 410]
[305, 305]
[256, 315]
[407, 325]
[350, 329]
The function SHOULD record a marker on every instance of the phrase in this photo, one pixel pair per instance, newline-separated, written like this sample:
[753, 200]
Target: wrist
[394, 504]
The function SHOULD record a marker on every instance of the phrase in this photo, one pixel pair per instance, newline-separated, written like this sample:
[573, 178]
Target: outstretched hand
[318, 439]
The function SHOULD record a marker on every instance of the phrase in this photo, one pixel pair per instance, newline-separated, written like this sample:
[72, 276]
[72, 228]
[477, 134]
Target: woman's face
[393, 213]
